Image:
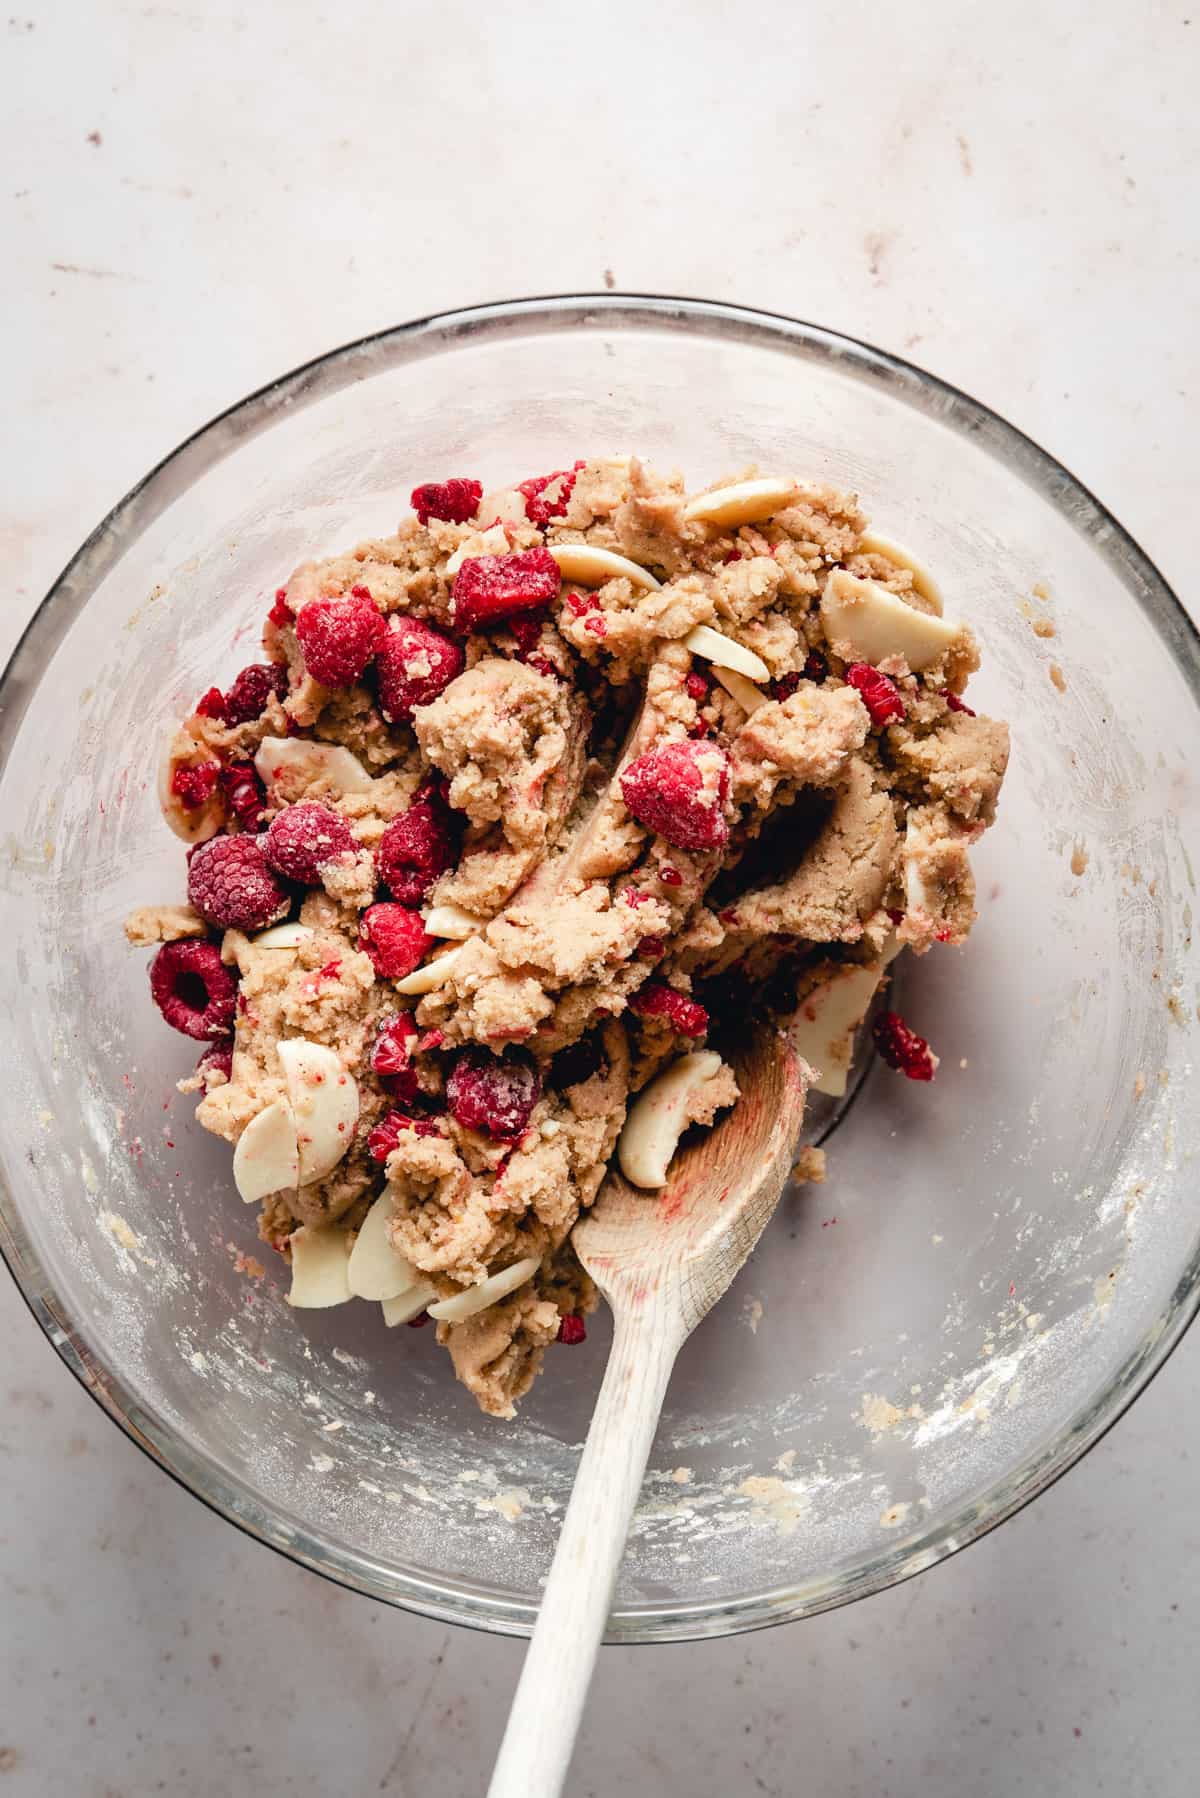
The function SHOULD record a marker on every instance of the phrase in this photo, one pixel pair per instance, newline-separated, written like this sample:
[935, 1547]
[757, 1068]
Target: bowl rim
[444, 1599]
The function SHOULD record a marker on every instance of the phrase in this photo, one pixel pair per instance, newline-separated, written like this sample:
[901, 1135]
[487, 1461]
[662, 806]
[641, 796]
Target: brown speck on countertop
[1057, 677]
[877, 244]
[94, 137]
[965, 160]
[10, 1758]
[1043, 627]
[1139, 1086]
[610, 280]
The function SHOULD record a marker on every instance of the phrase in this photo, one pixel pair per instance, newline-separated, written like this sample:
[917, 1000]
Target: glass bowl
[997, 1263]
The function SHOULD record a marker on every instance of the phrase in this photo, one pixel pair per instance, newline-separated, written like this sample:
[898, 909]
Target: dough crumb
[811, 1167]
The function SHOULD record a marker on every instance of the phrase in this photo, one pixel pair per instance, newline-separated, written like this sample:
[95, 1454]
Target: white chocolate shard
[824, 1028]
[301, 763]
[320, 1268]
[748, 696]
[267, 1157]
[324, 1100]
[866, 623]
[873, 543]
[478, 1298]
[658, 1117]
[723, 652]
[451, 921]
[430, 974]
[377, 1271]
[407, 1305]
[191, 823]
[591, 567]
[492, 542]
[745, 502]
[281, 936]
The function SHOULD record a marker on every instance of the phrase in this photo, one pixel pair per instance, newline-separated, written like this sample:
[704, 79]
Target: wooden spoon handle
[544, 1719]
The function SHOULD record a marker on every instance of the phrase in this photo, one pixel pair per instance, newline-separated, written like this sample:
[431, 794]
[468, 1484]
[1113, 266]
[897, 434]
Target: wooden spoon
[662, 1261]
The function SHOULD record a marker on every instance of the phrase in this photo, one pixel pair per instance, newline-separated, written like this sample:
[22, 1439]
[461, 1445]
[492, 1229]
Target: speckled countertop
[198, 197]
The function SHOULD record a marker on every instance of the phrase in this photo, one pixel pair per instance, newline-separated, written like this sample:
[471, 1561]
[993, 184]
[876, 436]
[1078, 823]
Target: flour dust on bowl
[998, 1261]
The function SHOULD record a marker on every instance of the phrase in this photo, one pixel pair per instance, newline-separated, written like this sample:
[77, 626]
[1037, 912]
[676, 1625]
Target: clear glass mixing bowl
[997, 1264]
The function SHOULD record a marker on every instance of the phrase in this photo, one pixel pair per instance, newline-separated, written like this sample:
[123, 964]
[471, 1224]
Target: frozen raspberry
[392, 1053]
[386, 1135]
[195, 786]
[230, 884]
[281, 613]
[488, 588]
[528, 631]
[651, 948]
[414, 665]
[670, 877]
[395, 939]
[538, 509]
[218, 1059]
[252, 688]
[571, 1329]
[245, 794]
[658, 1000]
[194, 989]
[453, 500]
[903, 1049]
[679, 790]
[211, 704]
[956, 704]
[418, 847]
[696, 687]
[880, 695]
[340, 636]
[492, 1094]
[303, 839]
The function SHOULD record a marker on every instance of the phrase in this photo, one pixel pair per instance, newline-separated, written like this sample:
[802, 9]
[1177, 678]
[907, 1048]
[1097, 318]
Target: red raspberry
[281, 613]
[395, 939]
[903, 1049]
[488, 588]
[392, 1053]
[880, 695]
[658, 1000]
[956, 704]
[340, 636]
[218, 1059]
[304, 839]
[453, 500]
[539, 510]
[252, 688]
[414, 665]
[386, 1135]
[211, 704]
[571, 1329]
[527, 631]
[650, 948]
[670, 877]
[679, 790]
[492, 1094]
[230, 884]
[194, 989]
[245, 794]
[697, 687]
[418, 847]
[195, 786]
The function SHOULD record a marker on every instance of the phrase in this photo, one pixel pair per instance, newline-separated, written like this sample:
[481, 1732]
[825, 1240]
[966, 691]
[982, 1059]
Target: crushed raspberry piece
[245, 794]
[454, 500]
[418, 846]
[414, 665]
[571, 1329]
[218, 1059]
[488, 588]
[903, 1049]
[195, 786]
[527, 630]
[305, 838]
[894, 914]
[670, 877]
[956, 704]
[578, 604]
[880, 695]
[541, 665]
[635, 897]
[679, 790]
[194, 989]
[211, 704]
[785, 686]
[432, 1039]
[340, 636]
[493, 1094]
[392, 1053]
[252, 688]
[658, 1000]
[596, 624]
[538, 509]
[734, 555]
[231, 885]
[650, 948]
[395, 939]
[815, 666]
[386, 1135]
[696, 687]
[418, 1323]
[281, 613]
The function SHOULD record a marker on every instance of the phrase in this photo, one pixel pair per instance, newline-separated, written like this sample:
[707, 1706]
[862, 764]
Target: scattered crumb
[964, 1064]
[508, 1505]
[774, 1501]
[1057, 677]
[321, 1463]
[1104, 1288]
[94, 137]
[1079, 860]
[248, 1265]
[1041, 591]
[610, 280]
[1033, 1320]
[965, 162]
[1043, 627]
[681, 1475]
[1175, 1007]
[786, 1461]
[936, 1239]
[1139, 1086]
[894, 1516]
[879, 1414]
[754, 1314]
[198, 1361]
[810, 1168]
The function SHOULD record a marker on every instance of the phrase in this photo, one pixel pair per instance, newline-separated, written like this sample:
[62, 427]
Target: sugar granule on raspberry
[339, 637]
[879, 694]
[418, 847]
[194, 989]
[304, 839]
[395, 938]
[492, 1094]
[231, 885]
[571, 1329]
[658, 1000]
[903, 1049]
[488, 588]
[454, 500]
[247, 698]
[415, 664]
[538, 509]
[244, 794]
[194, 786]
[679, 790]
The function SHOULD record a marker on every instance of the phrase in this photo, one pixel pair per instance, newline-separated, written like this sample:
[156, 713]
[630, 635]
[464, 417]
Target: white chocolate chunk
[324, 1098]
[492, 542]
[873, 544]
[745, 502]
[723, 652]
[478, 1298]
[591, 567]
[302, 763]
[191, 823]
[377, 1271]
[451, 921]
[431, 974]
[864, 622]
[281, 936]
[658, 1117]
[823, 1030]
[748, 696]
[320, 1268]
[267, 1158]
[407, 1305]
